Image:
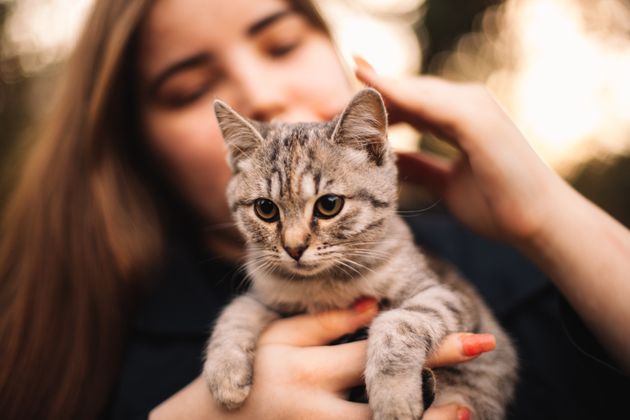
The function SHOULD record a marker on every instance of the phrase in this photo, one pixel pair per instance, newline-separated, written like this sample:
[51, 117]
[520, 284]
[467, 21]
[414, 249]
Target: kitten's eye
[328, 206]
[266, 210]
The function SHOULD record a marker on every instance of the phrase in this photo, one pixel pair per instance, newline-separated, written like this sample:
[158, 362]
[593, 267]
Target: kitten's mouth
[306, 269]
[320, 270]
[305, 266]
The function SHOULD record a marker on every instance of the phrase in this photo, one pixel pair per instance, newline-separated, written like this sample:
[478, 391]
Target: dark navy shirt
[564, 373]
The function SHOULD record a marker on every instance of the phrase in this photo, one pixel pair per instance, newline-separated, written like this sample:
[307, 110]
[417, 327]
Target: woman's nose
[262, 93]
[264, 103]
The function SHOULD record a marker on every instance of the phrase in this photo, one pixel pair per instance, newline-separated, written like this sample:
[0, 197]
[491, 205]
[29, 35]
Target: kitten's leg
[398, 344]
[228, 368]
[485, 384]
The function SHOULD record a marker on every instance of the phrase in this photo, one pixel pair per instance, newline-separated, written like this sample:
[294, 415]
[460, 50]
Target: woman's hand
[498, 187]
[298, 376]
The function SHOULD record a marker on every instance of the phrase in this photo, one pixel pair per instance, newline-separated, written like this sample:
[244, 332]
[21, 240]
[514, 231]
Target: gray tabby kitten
[316, 203]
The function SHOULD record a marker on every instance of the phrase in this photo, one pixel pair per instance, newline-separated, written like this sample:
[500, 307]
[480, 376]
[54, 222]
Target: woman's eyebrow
[206, 58]
[193, 61]
[268, 20]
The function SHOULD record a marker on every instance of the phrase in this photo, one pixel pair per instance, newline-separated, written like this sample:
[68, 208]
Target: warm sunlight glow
[571, 82]
[41, 32]
[382, 33]
[561, 68]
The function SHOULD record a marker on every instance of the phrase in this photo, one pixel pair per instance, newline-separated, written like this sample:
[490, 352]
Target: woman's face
[259, 56]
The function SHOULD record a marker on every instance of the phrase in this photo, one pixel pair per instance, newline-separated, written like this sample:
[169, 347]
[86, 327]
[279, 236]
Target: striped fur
[365, 250]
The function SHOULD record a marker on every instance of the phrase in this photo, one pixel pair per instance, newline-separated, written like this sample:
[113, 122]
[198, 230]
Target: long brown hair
[81, 232]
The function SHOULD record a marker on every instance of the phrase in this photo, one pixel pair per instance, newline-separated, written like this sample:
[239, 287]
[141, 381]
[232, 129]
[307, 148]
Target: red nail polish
[475, 344]
[364, 304]
[463, 414]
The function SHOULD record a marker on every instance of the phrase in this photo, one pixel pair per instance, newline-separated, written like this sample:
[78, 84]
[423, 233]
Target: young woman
[105, 307]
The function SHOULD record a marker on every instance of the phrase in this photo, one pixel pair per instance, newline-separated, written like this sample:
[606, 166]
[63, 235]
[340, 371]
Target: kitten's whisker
[360, 251]
[244, 279]
[338, 267]
[349, 261]
[369, 251]
[367, 255]
[264, 267]
[345, 264]
[419, 211]
[351, 242]
[253, 265]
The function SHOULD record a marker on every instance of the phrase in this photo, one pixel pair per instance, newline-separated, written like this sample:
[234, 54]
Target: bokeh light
[41, 32]
[561, 68]
[381, 31]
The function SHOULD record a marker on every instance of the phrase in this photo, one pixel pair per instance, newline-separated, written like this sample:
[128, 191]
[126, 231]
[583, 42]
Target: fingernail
[362, 62]
[463, 413]
[363, 65]
[475, 344]
[364, 305]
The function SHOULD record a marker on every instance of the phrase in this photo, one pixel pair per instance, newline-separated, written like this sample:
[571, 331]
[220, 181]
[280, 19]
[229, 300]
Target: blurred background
[561, 68]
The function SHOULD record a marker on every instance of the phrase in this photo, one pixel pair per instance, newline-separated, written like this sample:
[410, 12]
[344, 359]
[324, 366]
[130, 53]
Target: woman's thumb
[321, 328]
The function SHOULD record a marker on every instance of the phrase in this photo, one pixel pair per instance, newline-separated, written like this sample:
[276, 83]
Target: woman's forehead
[176, 28]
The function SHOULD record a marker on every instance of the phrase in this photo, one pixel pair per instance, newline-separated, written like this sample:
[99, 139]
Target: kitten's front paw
[229, 377]
[396, 398]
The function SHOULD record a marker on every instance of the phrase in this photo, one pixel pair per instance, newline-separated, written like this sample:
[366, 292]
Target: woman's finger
[336, 408]
[341, 367]
[447, 412]
[461, 347]
[460, 113]
[337, 367]
[319, 329]
[434, 101]
[419, 168]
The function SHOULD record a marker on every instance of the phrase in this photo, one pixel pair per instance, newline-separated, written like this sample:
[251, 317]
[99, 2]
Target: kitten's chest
[291, 296]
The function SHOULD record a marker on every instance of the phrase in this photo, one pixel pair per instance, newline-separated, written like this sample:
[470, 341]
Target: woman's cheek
[190, 147]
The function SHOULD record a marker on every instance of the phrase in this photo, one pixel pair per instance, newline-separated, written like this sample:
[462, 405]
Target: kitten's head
[312, 198]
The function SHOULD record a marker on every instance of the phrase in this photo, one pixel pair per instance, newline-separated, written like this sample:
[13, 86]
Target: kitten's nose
[296, 252]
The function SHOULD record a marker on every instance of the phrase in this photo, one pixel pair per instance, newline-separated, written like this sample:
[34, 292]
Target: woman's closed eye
[283, 36]
[282, 50]
[187, 87]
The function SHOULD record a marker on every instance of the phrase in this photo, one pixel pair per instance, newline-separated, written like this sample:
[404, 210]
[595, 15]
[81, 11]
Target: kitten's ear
[239, 134]
[363, 125]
